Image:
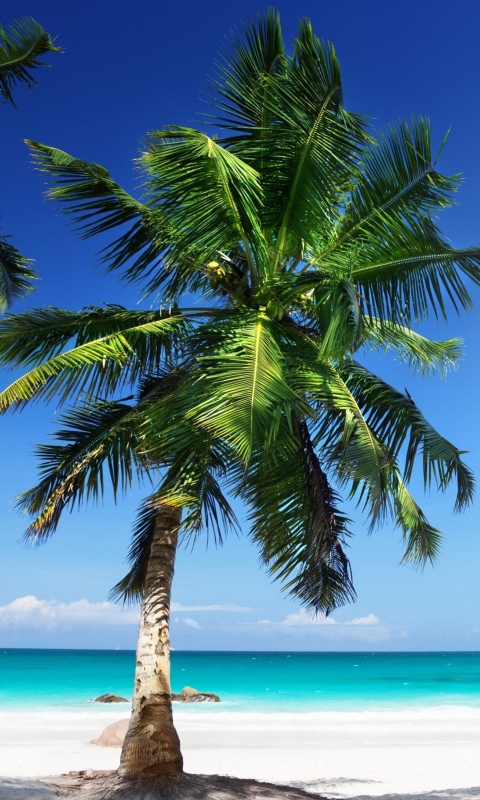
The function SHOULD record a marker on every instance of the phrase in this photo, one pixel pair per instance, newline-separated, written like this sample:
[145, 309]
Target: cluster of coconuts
[218, 274]
[274, 309]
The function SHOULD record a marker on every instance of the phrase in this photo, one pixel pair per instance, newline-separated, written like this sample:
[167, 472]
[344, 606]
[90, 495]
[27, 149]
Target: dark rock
[110, 698]
[189, 695]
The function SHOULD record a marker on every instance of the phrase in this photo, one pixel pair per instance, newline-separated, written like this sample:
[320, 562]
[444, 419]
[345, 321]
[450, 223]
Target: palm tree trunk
[152, 746]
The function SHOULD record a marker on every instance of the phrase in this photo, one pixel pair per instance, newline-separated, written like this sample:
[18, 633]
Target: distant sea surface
[258, 681]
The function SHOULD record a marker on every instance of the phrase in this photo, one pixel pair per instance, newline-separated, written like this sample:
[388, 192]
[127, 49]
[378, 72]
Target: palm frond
[298, 527]
[193, 481]
[21, 46]
[350, 445]
[245, 391]
[103, 364]
[146, 250]
[422, 540]
[397, 181]
[409, 271]
[33, 337]
[190, 482]
[211, 194]
[16, 275]
[242, 82]
[417, 351]
[316, 142]
[130, 588]
[397, 420]
[94, 438]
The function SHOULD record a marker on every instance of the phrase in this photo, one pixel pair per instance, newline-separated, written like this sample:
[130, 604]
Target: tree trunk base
[91, 785]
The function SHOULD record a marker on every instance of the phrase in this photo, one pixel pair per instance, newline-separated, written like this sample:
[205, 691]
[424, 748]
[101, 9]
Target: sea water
[262, 682]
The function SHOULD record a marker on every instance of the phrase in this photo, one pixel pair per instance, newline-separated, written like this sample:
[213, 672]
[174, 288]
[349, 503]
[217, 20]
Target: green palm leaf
[212, 195]
[151, 244]
[417, 351]
[94, 437]
[422, 540]
[245, 393]
[242, 82]
[21, 46]
[16, 275]
[397, 420]
[298, 527]
[102, 364]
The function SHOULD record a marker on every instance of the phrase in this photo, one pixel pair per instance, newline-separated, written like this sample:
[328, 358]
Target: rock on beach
[110, 698]
[113, 735]
[189, 695]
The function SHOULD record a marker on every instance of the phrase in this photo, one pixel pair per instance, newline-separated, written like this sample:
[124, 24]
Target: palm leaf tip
[129, 589]
[16, 275]
[21, 46]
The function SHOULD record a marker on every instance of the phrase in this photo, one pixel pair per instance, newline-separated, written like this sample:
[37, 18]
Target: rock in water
[113, 735]
[189, 695]
[111, 698]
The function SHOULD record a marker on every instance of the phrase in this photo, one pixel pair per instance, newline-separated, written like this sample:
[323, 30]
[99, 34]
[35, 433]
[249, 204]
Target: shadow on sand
[107, 786]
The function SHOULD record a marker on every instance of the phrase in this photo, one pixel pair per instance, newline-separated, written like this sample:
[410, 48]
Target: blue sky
[130, 68]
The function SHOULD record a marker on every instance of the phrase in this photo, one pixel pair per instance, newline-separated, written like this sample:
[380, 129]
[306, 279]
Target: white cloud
[367, 629]
[303, 618]
[224, 607]
[192, 623]
[30, 612]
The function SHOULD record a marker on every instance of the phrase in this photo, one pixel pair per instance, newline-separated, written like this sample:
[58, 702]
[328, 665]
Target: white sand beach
[338, 754]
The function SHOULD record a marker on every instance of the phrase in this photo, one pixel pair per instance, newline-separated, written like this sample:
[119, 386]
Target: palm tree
[309, 242]
[21, 47]
[106, 436]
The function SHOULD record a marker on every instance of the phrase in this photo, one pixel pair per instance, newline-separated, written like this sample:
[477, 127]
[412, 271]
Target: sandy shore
[330, 753]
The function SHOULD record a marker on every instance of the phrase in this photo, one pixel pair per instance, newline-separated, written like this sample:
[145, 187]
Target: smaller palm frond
[245, 392]
[421, 354]
[422, 540]
[16, 275]
[409, 271]
[340, 319]
[316, 145]
[397, 420]
[21, 46]
[95, 438]
[384, 237]
[210, 193]
[33, 337]
[191, 483]
[146, 250]
[97, 364]
[242, 82]
[130, 588]
[350, 446]
[397, 180]
[298, 527]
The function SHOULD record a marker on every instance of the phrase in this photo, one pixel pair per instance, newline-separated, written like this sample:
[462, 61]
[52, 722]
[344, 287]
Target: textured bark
[152, 747]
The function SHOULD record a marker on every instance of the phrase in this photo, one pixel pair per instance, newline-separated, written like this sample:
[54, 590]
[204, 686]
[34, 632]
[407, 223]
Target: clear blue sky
[130, 68]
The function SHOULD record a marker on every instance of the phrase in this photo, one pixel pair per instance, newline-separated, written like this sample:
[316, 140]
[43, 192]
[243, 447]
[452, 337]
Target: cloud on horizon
[29, 611]
[225, 607]
[366, 629]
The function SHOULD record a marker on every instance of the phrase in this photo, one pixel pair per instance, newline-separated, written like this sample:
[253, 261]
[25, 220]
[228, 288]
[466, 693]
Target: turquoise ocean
[248, 681]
